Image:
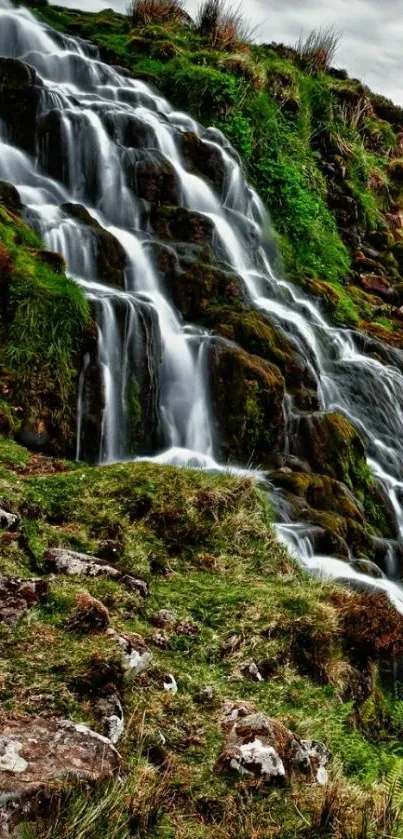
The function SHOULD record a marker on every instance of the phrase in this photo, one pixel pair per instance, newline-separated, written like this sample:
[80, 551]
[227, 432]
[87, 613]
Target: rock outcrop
[261, 747]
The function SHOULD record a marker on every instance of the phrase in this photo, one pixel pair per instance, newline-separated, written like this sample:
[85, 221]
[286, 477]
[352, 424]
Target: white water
[97, 107]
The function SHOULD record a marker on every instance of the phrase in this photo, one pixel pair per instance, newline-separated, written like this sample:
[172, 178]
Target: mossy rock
[10, 197]
[177, 224]
[256, 334]
[247, 394]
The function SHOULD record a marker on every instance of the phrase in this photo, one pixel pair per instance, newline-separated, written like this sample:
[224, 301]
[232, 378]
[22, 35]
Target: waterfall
[78, 179]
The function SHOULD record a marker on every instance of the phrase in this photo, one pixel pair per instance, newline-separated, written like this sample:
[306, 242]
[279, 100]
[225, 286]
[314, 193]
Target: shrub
[142, 12]
[316, 53]
[225, 28]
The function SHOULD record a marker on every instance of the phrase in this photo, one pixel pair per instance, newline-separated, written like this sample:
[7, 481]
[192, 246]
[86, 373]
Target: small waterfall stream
[103, 118]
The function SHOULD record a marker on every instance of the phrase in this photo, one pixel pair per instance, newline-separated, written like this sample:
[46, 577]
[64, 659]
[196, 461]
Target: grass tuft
[316, 52]
[225, 27]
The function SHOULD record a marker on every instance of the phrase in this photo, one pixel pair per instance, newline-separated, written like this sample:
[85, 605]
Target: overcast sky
[371, 47]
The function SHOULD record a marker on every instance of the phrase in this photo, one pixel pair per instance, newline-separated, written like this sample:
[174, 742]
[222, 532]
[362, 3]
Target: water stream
[141, 336]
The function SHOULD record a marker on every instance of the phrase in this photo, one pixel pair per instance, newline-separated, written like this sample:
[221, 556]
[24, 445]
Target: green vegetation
[43, 320]
[206, 547]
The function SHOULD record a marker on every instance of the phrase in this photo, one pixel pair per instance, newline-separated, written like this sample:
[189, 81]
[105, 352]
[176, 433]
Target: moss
[44, 320]
[248, 400]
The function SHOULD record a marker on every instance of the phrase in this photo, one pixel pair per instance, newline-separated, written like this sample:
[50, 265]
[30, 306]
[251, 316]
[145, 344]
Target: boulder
[247, 394]
[17, 596]
[65, 561]
[258, 746]
[38, 754]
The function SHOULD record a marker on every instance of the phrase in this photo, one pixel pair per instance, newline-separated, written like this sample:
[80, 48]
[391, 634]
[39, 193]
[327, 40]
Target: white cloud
[371, 46]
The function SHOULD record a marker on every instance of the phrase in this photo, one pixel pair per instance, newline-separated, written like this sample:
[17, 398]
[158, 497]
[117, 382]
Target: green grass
[43, 323]
[224, 571]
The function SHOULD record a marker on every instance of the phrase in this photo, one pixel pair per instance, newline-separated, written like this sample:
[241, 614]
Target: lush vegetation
[43, 320]
[207, 549]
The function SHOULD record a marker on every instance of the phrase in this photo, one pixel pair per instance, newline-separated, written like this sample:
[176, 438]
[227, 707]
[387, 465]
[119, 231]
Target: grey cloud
[371, 45]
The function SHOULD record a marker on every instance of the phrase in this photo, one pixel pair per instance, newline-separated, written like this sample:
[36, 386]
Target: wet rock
[17, 596]
[204, 159]
[8, 521]
[90, 615]
[262, 747]
[10, 197]
[255, 334]
[247, 394]
[375, 284]
[109, 254]
[152, 177]
[37, 754]
[181, 225]
[21, 91]
[202, 286]
[55, 261]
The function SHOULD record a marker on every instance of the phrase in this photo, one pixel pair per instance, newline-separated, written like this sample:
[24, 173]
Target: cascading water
[84, 185]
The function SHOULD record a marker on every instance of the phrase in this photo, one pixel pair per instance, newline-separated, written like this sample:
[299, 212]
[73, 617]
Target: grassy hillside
[205, 546]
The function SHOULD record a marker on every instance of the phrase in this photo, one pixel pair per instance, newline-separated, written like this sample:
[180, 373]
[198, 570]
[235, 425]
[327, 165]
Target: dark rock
[109, 254]
[37, 754]
[10, 197]
[152, 177]
[51, 145]
[258, 746]
[89, 616]
[204, 159]
[17, 596]
[178, 224]
[34, 435]
[247, 394]
[20, 95]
